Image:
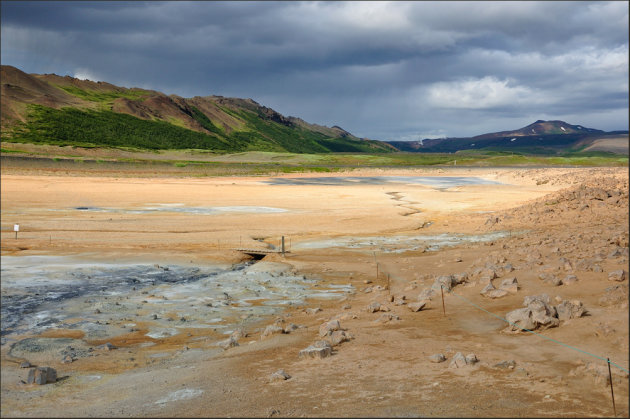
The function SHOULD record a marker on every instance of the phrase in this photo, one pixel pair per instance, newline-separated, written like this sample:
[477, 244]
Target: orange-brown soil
[384, 369]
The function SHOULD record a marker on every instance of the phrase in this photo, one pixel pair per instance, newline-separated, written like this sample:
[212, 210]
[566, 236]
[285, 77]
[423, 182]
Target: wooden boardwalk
[260, 252]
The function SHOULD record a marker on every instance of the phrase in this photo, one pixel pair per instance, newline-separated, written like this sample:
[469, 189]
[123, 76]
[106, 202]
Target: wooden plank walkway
[260, 252]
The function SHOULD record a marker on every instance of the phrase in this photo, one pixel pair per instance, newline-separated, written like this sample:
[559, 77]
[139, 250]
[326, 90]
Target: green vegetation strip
[69, 126]
[103, 97]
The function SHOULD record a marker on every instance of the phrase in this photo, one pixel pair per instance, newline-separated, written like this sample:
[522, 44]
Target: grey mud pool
[103, 300]
[438, 182]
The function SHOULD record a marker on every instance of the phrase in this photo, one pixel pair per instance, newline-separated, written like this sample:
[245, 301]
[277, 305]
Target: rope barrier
[538, 334]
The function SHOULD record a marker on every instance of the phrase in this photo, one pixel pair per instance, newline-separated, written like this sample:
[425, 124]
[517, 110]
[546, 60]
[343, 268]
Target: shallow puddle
[400, 244]
[439, 182]
[182, 208]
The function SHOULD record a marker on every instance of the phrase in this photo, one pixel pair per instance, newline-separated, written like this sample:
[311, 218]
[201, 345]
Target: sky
[392, 71]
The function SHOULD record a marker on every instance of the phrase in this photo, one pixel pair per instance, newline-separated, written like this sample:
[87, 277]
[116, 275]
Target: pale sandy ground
[384, 370]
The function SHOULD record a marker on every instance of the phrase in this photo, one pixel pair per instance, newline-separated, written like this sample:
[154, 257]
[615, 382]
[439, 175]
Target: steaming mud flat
[47, 292]
[86, 243]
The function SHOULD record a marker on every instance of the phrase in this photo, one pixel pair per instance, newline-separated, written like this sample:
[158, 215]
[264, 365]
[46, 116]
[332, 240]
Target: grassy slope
[207, 163]
[71, 126]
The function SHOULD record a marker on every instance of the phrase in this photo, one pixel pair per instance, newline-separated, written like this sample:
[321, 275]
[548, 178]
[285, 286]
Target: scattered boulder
[239, 333]
[487, 275]
[570, 310]
[504, 365]
[537, 314]
[618, 276]
[553, 280]
[228, 343]
[471, 359]
[497, 293]
[320, 349]
[599, 373]
[566, 264]
[327, 328]
[459, 278]
[373, 307]
[400, 300]
[531, 298]
[41, 375]
[604, 329]
[25, 364]
[437, 358]
[344, 316]
[489, 287]
[291, 327]
[507, 268]
[444, 281]
[338, 337]
[569, 279]
[272, 329]
[386, 317]
[415, 307]
[617, 294]
[510, 285]
[491, 292]
[279, 375]
[459, 360]
[106, 346]
[313, 310]
[427, 294]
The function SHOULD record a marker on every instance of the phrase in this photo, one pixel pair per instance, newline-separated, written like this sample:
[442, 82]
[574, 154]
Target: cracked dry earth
[166, 290]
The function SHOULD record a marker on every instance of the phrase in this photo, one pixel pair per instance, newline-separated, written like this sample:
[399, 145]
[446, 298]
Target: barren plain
[136, 292]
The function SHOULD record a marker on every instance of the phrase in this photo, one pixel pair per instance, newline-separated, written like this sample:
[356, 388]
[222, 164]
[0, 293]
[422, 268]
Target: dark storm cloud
[381, 70]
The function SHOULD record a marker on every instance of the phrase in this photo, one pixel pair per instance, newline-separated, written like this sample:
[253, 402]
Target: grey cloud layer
[381, 70]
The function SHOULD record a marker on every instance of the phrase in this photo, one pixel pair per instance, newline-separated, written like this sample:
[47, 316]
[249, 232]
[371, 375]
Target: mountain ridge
[48, 108]
[41, 107]
[539, 137]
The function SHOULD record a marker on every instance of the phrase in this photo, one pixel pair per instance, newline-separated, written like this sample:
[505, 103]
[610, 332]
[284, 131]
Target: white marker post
[16, 228]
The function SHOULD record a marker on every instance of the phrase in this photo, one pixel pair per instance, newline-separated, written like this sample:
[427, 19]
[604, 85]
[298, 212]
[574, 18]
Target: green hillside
[50, 109]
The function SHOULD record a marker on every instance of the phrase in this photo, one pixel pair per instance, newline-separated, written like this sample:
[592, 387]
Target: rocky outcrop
[327, 328]
[618, 276]
[279, 375]
[508, 286]
[570, 310]
[459, 360]
[41, 375]
[537, 314]
[320, 349]
[615, 295]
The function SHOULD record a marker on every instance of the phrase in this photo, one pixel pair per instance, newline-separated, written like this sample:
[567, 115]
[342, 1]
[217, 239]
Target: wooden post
[282, 246]
[442, 292]
[612, 393]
